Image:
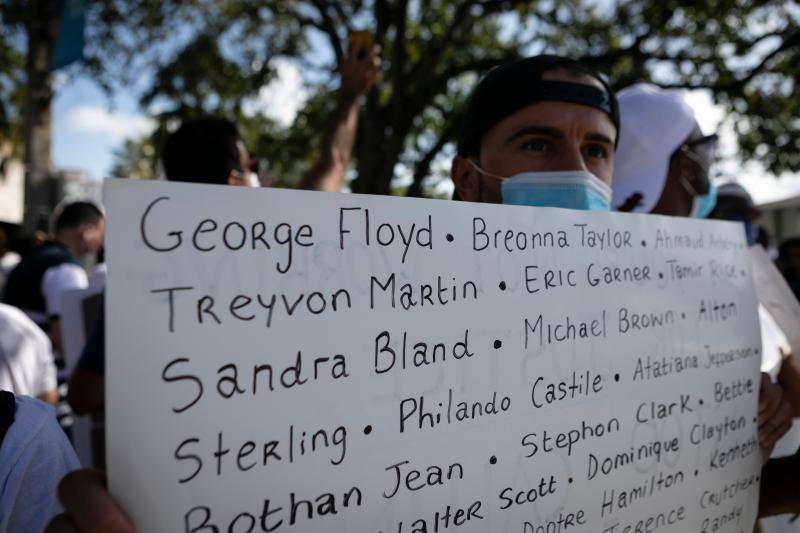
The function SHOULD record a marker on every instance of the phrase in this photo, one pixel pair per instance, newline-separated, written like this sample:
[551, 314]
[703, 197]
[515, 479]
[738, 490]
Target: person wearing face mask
[734, 203]
[662, 167]
[541, 132]
[663, 161]
[208, 150]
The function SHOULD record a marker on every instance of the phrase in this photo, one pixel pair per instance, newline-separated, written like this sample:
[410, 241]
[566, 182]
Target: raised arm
[359, 71]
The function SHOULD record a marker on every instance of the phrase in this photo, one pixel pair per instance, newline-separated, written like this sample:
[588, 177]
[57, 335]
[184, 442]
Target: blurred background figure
[26, 357]
[34, 455]
[662, 166]
[36, 284]
[734, 203]
[663, 157]
[211, 150]
[8, 257]
[789, 263]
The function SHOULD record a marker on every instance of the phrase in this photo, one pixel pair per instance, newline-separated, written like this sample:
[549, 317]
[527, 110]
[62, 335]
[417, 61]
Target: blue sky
[87, 128]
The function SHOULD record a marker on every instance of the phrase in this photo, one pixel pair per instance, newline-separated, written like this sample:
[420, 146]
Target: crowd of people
[543, 131]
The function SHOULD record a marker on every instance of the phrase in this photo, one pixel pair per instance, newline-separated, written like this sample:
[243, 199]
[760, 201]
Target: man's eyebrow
[536, 130]
[599, 137]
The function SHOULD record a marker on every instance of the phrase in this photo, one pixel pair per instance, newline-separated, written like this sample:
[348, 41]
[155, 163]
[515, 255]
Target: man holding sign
[573, 133]
[538, 132]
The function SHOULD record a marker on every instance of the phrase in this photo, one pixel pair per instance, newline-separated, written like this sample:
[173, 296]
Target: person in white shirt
[37, 283]
[26, 357]
[8, 258]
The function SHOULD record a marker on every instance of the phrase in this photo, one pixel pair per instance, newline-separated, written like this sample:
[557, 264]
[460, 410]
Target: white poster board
[775, 294]
[309, 362]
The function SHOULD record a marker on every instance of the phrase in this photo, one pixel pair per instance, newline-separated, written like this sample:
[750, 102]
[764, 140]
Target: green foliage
[213, 56]
[12, 76]
[745, 51]
[289, 152]
[136, 158]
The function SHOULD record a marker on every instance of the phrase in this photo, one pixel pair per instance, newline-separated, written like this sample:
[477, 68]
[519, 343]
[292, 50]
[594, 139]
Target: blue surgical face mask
[570, 189]
[703, 204]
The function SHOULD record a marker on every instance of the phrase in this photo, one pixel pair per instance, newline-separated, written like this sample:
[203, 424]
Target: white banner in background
[294, 361]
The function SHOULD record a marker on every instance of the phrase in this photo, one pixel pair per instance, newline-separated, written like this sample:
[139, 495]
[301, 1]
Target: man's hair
[76, 214]
[202, 150]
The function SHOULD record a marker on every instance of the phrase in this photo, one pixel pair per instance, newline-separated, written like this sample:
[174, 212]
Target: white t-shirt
[34, 456]
[97, 276]
[8, 262]
[58, 279]
[26, 355]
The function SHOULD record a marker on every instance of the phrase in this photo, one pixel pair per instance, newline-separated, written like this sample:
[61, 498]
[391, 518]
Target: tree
[26, 106]
[136, 158]
[12, 82]
[408, 121]
[212, 56]
[745, 51]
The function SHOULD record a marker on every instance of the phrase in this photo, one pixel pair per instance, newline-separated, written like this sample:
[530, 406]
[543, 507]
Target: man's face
[543, 137]
[687, 177]
[85, 240]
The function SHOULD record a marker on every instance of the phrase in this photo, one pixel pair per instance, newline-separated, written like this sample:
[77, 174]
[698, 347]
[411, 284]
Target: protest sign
[776, 296]
[296, 361]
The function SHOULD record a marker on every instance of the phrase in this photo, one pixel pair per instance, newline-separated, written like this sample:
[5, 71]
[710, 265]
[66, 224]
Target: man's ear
[465, 178]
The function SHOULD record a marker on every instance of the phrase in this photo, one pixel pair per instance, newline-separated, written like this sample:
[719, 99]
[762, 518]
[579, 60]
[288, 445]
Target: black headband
[508, 88]
[575, 93]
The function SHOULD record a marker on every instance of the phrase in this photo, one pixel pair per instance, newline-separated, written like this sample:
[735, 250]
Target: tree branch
[422, 167]
[399, 45]
[344, 18]
[790, 42]
[329, 27]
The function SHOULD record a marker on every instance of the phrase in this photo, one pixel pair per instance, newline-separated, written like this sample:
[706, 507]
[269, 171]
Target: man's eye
[596, 151]
[536, 145]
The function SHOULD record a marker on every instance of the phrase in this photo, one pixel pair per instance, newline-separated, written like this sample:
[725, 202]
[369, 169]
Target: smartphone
[361, 41]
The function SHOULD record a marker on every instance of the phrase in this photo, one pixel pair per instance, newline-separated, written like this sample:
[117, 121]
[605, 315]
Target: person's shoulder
[66, 275]
[32, 417]
[13, 319]
[34, 455]
[12, 314]
[34, 428]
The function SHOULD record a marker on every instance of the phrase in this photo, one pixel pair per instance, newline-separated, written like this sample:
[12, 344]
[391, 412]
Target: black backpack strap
[7, 408]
